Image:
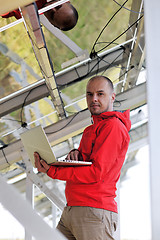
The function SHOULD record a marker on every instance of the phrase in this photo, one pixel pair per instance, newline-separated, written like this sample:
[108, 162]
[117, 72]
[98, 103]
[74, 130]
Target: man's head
[100, 95]
[64, 16]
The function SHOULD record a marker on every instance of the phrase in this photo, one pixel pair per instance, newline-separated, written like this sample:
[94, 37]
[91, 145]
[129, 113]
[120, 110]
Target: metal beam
[133, 97]
[61, 36]
[29, 198]
[15, 100]
[75, 124]
[42, 186]
[64, 78]
[152, 19]
[24, 213]
[80, 53]
[130, 68]
[33, 27]
[137, 57]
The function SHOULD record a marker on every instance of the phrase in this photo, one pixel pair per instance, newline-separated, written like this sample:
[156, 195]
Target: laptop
[35, 140]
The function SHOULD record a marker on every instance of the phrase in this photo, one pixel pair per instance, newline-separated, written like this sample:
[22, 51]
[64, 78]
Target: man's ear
[113, 97]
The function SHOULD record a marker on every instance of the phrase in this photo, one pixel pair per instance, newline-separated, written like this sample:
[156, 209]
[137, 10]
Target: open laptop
[35, 140]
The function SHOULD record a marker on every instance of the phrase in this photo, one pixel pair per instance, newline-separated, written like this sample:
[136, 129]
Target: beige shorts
[85, 223]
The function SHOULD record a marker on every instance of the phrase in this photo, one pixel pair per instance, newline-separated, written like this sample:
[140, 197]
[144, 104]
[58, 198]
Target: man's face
[99, 96]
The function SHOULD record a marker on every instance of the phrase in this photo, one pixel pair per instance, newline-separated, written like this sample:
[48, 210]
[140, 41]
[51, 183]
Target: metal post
[29, 197]
[29, 190]
[24, 213]
[152, 19]
[54, 215]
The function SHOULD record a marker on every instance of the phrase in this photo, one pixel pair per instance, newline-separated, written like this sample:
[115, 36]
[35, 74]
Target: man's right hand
[40, 164]
[74, 155]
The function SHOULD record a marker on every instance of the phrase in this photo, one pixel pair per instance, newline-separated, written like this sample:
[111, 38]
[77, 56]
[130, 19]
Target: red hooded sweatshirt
[105, 144]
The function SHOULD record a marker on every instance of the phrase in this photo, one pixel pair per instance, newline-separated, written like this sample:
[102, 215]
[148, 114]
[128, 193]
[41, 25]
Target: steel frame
[153, 66]
[33, 27]
[64, 78]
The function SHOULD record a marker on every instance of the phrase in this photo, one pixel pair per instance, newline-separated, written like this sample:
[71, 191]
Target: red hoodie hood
[123, 116]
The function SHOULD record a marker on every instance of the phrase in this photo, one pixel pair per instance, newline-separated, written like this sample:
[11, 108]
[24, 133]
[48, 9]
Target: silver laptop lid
[35, 140]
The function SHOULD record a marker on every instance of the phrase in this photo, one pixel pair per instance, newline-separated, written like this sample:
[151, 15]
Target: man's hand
[74, 155]
[40, 164]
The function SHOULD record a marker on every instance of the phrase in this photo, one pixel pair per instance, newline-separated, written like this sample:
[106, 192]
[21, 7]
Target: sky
[134, 205]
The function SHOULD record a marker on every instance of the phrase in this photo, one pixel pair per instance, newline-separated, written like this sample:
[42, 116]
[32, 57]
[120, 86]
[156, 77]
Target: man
[91, 211]
[64, 16]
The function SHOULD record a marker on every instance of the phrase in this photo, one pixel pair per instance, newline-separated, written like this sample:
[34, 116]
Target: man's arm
[107, 154]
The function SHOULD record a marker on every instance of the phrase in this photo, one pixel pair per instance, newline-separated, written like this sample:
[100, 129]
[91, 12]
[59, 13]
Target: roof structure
[39, 87]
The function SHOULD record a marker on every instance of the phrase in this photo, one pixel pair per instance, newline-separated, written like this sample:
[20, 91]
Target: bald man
[91, 211]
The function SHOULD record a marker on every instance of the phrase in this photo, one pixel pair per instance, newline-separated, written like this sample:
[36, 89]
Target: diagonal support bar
[49, 194]
[32, 24]
[61, 36]
[24, 213]
[41, 185]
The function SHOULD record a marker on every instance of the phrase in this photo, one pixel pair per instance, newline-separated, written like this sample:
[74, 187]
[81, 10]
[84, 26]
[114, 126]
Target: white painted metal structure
[153, 66]
[24, 213]
[66, 132]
